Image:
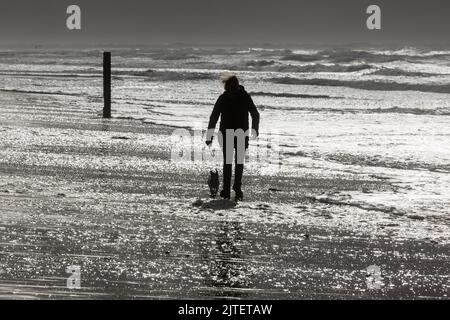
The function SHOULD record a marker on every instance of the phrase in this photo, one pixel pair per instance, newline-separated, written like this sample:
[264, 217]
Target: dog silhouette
[213, 183]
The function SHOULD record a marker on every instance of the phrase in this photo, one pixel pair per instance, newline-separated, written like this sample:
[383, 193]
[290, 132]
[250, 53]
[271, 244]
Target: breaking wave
[365, 84]
[292, 95]
[260, 63]
[59, 93]
[395, 72]
[303, 57]
[319, 68]
[330, 68]
[157, 75]
[346, 56]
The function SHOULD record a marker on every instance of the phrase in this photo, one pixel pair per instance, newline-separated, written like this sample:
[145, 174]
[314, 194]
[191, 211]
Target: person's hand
[255, 134]
[208, 142]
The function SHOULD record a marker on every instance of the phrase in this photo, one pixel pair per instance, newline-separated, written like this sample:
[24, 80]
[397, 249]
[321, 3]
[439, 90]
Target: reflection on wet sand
[228, 269]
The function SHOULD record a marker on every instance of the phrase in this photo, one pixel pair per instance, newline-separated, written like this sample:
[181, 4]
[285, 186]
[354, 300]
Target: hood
[232, 94]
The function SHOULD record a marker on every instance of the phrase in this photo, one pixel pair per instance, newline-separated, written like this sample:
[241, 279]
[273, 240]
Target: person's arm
[254, 114]
[213, 120]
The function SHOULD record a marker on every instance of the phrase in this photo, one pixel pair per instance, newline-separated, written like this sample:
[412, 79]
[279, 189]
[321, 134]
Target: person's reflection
[227, 268]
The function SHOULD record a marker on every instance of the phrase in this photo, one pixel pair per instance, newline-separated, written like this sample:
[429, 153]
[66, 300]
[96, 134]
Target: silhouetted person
[233, 107]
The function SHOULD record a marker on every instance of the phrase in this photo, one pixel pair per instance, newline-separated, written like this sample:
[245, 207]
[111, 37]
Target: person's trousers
[229, 149]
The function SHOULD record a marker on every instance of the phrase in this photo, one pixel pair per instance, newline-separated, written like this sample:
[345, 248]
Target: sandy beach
[103, 195]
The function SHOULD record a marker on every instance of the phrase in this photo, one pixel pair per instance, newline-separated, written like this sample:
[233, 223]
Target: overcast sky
[225, 21]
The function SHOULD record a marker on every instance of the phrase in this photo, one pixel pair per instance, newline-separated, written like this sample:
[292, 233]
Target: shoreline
[75, 192]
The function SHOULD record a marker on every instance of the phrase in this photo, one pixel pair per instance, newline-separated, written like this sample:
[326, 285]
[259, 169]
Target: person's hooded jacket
[233, 109]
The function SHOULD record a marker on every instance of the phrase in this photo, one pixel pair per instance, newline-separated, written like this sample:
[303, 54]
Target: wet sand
[103, 195]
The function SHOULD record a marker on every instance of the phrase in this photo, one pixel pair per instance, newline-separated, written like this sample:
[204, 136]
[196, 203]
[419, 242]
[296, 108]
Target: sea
[371, 112]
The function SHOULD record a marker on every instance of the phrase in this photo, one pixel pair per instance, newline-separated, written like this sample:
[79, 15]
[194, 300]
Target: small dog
[213, 183]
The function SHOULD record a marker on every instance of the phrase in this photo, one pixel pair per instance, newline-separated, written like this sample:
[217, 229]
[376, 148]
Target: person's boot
[239, 195]
[225, 194]
[238, 170]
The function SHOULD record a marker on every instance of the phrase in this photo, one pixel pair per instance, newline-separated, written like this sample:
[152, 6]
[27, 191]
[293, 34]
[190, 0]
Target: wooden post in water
[107, 84]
